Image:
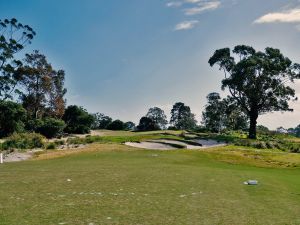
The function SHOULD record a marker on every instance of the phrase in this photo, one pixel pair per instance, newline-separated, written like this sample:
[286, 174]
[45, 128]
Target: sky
[123, 57]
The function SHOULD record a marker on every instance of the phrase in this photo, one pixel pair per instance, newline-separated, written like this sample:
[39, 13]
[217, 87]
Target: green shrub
[24, 141]
[59, 142]
[51, 145]
[51, 127]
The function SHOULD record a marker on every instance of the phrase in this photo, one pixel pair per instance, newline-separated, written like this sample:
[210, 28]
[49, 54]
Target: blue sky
[123, 57]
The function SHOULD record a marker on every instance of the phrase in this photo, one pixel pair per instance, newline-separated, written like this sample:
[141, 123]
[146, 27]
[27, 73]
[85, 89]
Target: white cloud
[193, 1]
[287, 16]
[174, 4]
[201, 7]
[186, 25]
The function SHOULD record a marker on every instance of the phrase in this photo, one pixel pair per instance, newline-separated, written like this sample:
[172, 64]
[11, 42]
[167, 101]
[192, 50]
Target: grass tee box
[116, 184]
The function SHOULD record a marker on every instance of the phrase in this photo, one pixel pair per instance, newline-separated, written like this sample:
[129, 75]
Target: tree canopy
[78, 120]
[12, 116]
[158, 116]
[14, 36]
[147, 124]
[181, 117]
[116, 125]
[220, 114]
[101, 121]
[42, 87]
[257, 81]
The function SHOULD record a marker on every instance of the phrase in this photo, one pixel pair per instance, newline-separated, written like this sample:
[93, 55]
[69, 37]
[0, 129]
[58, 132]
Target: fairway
[115, 184]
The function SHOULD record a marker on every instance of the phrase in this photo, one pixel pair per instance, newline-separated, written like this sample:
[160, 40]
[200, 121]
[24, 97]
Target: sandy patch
[210, 143]
[164, 144]
[17, 156]
[150, 145]
[188, 146]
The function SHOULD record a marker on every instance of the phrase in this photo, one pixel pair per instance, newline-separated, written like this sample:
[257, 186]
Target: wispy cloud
[174, 4]
[192, 8]
[186, 25]
[287, 16]
[202, 7]
[193, 1]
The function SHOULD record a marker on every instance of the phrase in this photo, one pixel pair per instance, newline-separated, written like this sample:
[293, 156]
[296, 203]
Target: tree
[294, 131]
[213, 116]
[14, 36]
[43, 87]
[222, 114]
[147, 124]
[158, 116]
[12, 116]
[235, 117]
[101, 121]
[78, 120]
[129, 125]
[181, 117]
[116, 125]
[257, 80]
[57, 103]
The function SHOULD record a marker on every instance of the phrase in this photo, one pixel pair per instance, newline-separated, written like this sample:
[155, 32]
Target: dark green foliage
[12, 116]
[258, 80]
[294, 131]
[24, 141]
[220, 114]
[51, 146]
[147, 124]
[78, 120]
[101, 121]
[116, 125]
[158, 116]
[182, 118]
[50, 127]
[129, 126]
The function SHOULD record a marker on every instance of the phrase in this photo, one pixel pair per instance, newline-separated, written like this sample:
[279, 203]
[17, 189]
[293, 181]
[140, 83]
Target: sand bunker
[150, 145]
[171, 144]
[17, 156]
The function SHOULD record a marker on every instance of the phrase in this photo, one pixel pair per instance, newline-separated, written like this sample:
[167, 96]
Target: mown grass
[117, 184]
[122, 139]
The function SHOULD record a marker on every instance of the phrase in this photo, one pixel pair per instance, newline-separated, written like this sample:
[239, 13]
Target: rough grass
[117, 184]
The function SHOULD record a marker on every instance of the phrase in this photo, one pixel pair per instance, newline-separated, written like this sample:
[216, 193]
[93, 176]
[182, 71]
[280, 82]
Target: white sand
[150, 145]
[17, 156]
[161, 146]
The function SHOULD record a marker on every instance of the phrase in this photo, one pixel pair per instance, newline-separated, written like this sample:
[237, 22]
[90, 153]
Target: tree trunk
[253, 121]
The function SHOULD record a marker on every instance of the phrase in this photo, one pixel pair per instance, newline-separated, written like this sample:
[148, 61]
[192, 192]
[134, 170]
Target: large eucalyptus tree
[257, 81]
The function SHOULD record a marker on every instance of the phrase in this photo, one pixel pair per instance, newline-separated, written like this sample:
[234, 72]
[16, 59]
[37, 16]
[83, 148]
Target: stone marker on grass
[251, 182]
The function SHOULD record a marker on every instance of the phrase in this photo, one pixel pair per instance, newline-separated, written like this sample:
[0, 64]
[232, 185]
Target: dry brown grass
[96, 147]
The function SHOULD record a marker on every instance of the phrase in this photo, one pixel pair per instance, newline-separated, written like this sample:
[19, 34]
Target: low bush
[50, 127]
[51, 145]
[24, 141]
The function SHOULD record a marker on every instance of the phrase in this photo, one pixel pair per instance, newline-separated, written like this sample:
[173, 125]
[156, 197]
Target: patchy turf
[117, 184]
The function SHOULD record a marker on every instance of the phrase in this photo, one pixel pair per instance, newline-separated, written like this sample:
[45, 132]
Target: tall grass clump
[23, 141]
